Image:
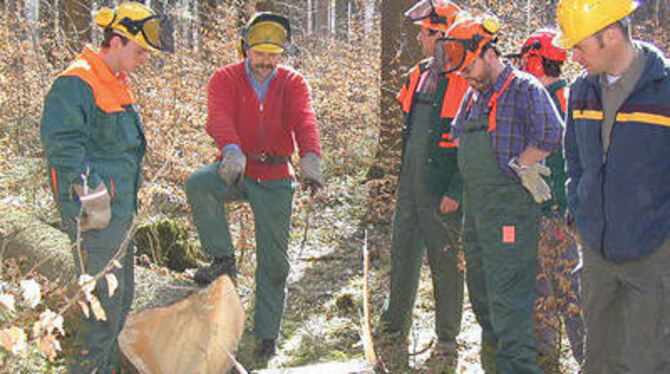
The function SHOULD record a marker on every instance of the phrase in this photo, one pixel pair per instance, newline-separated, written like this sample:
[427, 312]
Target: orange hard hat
[434, 14]
[465, 41]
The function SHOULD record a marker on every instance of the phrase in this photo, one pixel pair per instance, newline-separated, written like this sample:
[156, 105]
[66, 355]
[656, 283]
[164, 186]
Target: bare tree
[399, 51]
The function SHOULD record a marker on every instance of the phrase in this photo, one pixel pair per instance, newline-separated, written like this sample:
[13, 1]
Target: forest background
[352, 52]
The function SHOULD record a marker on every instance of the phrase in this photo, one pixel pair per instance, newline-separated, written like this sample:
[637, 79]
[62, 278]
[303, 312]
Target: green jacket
[558, 92]
[90, 129]
[444, 178]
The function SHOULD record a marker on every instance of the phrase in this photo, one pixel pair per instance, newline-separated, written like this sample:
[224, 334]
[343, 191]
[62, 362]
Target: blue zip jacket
[621, 200]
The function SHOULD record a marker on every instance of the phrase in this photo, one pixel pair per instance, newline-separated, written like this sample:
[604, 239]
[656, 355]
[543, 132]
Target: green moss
[166, 243]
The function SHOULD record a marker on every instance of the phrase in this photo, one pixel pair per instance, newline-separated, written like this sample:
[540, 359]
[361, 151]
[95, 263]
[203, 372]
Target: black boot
[265, 349]
[219, 267]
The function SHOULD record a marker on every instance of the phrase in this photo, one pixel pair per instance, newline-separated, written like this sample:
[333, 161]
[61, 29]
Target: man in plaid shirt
[506, 125]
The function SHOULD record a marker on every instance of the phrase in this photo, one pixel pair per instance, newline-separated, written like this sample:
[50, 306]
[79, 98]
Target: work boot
[391, 349]
[265, 349]
[220, 266]
[443, 358]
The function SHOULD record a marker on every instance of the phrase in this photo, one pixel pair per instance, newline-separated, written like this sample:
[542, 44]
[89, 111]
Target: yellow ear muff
[104, 17]
[491, 25]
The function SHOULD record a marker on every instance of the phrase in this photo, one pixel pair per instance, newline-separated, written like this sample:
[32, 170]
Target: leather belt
[267, 158]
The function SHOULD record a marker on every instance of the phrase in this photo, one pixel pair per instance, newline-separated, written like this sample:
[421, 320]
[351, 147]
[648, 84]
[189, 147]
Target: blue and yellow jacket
[621, 199]
[90, 129]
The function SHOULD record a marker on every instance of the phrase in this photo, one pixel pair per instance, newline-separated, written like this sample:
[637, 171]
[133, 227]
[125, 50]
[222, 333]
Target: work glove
[231, 167]
[96, 210]
[310, 165]
[531, 179]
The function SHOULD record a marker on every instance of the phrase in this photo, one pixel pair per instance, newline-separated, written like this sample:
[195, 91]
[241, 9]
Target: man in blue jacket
[618, 160]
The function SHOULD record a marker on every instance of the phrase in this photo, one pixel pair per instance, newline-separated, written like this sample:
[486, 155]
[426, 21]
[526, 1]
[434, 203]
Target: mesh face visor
[421, 10]
[454, 51]
[156, 31]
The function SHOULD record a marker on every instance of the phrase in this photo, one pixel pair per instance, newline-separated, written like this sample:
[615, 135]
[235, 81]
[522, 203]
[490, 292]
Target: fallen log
[175, 327]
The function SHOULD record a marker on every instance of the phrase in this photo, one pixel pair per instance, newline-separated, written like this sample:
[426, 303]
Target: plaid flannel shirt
[526, 116]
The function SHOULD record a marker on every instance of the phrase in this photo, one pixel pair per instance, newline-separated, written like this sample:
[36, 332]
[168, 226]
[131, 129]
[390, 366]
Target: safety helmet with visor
[578, 19]
[140, 24]
[538, 46]
[266, 32]
[465, 40]
[435, 15]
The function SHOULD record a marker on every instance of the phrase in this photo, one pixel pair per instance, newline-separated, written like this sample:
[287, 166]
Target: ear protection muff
[534, 65]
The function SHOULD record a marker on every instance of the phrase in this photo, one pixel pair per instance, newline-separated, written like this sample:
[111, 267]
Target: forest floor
[325, 301]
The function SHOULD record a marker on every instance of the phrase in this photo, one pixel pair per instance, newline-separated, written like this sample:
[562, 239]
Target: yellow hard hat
[579, 19]
[138, 23]
[266, 32]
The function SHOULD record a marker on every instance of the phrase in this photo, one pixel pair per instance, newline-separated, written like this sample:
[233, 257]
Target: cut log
[198, 334]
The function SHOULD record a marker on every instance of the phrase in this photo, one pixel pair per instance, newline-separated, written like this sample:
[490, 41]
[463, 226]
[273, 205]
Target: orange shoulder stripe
[109, 91]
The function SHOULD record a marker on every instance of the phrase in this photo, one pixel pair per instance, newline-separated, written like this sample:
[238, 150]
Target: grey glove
[531, 179]
[232, 166]
[96, 209]
[310, 165]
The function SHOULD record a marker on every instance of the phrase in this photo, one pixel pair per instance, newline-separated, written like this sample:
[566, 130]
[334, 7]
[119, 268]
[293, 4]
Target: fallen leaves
[14, 340]
[31, 292]
[7, 302]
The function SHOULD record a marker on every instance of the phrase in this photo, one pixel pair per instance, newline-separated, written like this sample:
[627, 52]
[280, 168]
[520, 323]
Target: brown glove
[96, 210]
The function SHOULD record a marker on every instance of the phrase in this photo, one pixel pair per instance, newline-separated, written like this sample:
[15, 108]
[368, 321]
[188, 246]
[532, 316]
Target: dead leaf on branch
[112, 283]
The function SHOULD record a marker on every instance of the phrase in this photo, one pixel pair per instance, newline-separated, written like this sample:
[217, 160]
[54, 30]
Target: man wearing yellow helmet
[506, 125]
[94, 144]
[258, 110]
[429, 178]
[618, 164]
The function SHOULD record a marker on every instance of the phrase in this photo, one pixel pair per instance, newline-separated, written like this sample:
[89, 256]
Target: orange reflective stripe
[493, 103]
[452, 98]
[406, 94]
[446, 145]
[562, 95]
[112, 188]
[109, 91]
[54, 182]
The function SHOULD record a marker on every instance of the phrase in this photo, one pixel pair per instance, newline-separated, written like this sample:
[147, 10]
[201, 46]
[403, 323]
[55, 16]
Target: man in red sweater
[258, 110]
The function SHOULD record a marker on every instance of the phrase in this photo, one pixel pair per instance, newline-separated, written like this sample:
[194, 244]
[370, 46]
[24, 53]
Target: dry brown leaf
[49, 346]
[97, 309]
[112, 283]
[7, 302]
[84, 308]
[14, 340]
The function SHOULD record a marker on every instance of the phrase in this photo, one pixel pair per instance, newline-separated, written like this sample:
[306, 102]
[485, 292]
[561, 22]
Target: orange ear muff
[534, 65]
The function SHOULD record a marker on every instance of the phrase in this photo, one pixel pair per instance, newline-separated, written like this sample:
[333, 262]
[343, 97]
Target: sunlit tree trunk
[399, 51]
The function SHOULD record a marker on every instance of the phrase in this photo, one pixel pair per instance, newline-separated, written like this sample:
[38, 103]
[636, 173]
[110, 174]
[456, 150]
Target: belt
[267, 158]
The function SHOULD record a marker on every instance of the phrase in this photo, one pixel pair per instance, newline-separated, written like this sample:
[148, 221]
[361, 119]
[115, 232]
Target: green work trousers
[419, 227]
[271, 203]
[627, 313]
[96, 346]
[500, 236]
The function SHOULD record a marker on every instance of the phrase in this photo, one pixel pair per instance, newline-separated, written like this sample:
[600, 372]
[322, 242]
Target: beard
[485, 80]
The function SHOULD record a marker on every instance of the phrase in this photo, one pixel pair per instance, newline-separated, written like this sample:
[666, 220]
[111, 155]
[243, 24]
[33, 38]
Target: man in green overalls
[506, 125]
[427, 214]
[94, 144]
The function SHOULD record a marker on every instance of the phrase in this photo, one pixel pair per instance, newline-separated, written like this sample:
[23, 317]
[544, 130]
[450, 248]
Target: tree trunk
[399, 51]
